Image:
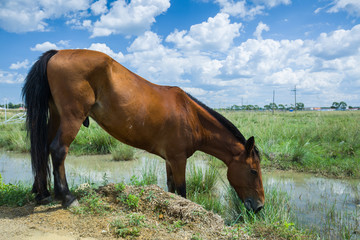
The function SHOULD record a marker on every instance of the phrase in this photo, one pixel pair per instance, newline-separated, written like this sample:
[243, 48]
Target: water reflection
[320, 202]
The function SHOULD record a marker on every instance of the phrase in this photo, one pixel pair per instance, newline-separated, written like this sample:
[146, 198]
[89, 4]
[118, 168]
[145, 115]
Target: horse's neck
[217, 141]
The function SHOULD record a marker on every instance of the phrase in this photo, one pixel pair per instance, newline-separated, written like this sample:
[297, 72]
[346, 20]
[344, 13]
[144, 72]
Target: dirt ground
[163, 216]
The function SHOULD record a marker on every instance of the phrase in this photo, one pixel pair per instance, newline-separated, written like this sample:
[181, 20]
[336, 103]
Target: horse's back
[133, 110]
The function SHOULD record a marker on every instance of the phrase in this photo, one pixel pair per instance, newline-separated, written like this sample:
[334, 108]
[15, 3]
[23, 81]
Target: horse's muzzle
[255, 206]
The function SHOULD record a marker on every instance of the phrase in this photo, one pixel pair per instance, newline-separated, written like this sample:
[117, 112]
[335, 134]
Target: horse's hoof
[44, 201]
[75, 203]
[70, 201]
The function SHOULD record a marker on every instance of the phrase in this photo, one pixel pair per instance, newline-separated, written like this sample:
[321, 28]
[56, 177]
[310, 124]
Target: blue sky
[223, 52]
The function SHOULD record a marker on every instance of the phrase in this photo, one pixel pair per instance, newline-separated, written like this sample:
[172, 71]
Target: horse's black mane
[225, 122]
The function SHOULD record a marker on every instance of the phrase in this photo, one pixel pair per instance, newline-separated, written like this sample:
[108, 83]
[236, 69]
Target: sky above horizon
[223, 52]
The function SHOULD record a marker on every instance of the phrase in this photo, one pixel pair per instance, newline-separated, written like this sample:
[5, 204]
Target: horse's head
[244, 174]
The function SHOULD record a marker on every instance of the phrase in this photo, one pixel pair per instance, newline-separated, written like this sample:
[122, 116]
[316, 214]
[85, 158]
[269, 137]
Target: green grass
[15, 194]
[274, 221]
[122, 152]
[326, 143]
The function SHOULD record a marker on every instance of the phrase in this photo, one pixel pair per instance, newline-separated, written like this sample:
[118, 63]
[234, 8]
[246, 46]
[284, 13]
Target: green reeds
[274, 221]
[201, 187]
[122, 152]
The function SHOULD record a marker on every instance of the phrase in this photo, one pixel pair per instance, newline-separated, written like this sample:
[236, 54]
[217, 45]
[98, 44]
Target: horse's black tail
[36, 94]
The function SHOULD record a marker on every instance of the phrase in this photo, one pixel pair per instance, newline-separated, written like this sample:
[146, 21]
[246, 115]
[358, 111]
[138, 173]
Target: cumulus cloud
[18, 65]
[216, 34]
[45, 46]
[42, 47]
[350, 6]
[240, 8]
[27, 16]
[99, 7]
[259, 29]
[102, 47]
[272, 3]
[10, 77]
[338, 43]
[129, 18]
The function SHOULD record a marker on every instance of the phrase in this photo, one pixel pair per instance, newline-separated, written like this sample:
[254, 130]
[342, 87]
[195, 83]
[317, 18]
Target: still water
[316, 201]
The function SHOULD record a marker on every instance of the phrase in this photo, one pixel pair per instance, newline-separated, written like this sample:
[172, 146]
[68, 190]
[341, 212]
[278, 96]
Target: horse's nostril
[258, 209]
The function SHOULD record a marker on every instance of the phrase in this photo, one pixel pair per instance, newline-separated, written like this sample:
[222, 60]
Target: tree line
[10, 105]
[270, 106]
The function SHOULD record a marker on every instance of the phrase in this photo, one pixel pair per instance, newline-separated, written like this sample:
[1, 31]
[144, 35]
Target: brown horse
[71, 85]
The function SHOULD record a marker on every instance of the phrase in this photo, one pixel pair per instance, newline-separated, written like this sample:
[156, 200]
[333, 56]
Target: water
[328, 206]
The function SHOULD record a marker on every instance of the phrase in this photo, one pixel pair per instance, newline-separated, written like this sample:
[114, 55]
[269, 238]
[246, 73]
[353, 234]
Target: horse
[65, 87]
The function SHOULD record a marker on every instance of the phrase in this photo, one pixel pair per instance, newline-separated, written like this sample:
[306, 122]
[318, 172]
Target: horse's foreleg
[170, 178]
[178, 167]
[59, 148]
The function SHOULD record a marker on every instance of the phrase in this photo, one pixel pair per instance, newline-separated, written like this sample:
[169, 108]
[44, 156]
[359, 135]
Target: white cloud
[338, 43]
[350, 6]
[45, 46]
[216, 34]
[195, 91]
[10, 77]
[146, 42]
[99, 7]
[27, 16]
[129, 18]
[102, 47]
[18, 65]
[259, 29]
[42, 47]
[240, 9]
[272, 3]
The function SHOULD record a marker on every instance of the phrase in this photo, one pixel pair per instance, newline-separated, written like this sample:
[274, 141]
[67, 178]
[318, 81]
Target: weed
[121, 230]
[196, 236]
[122, 152]
[90, 202]
[132, 201]
[119, 187]
[15, 195]
[150, 172]
[136, 219]
[176, 226]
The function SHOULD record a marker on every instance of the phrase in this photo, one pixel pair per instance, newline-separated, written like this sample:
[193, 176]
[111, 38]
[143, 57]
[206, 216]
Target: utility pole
[295, 97]
[5, 108]
[273, 106]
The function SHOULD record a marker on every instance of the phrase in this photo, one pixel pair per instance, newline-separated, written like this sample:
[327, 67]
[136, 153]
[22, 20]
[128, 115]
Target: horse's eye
[254, 172]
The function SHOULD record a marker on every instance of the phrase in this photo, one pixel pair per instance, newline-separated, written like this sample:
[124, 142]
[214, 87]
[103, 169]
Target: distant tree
[281, 107]
[299, 106]
[267, 107]
[342, 105]
[250, 107]
[335, 105]
[273, 106]
[235, 107]
[256, 107]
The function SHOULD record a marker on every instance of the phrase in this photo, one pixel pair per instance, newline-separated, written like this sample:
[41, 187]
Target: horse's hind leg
[43, 195]
[59, 147]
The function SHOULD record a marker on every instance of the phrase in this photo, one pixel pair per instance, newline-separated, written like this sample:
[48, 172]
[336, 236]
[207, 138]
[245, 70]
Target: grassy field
[326, 143]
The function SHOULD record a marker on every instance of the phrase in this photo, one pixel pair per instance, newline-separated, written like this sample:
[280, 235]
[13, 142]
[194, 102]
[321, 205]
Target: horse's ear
[249, 145]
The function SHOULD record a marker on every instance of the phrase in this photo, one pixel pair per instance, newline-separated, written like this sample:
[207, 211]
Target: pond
[319, 203]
